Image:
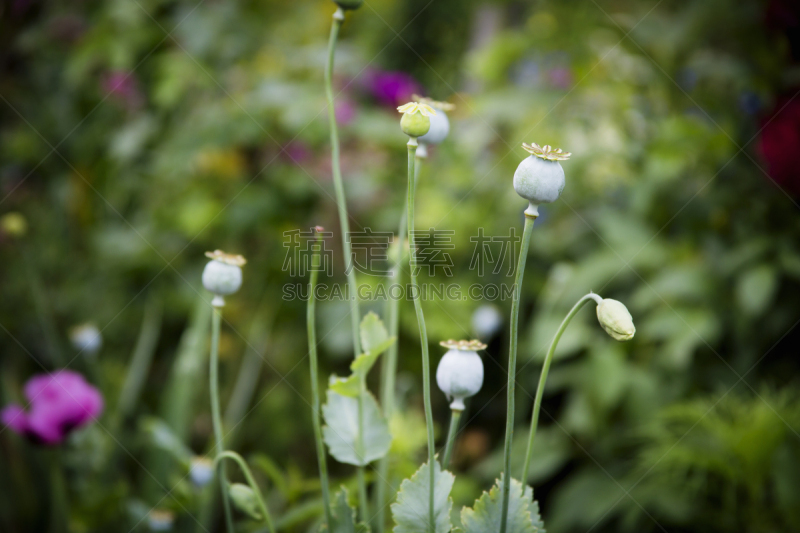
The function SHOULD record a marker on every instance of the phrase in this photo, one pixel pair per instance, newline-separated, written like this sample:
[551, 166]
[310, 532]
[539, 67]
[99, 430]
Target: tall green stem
[216, 417]
[512, 366]
[250, 481]
[423, 333]
[455, 418]
[341, 201]
[537, 403]
[389, 363]
[315, 402]
[344, 223]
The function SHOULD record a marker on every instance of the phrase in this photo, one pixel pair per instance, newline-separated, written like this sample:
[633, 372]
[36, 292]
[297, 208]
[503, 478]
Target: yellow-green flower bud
[615, 319]
[245, 500]
[416, 120]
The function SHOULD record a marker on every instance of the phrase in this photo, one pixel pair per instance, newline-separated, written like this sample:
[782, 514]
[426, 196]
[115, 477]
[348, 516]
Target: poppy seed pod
[460, 372]
[222, 275]
[349, 4]
[540, 178]
[615, 319]
[416, 120]
[440, 125]
[201, 471]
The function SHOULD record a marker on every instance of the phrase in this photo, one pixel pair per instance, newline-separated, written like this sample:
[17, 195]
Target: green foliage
[410, 511]
[523, 511]
[341, 429]
[344, 516]
[374, 340]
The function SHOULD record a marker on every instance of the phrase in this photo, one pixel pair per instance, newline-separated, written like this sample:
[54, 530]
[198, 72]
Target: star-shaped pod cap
[546, 152]
[228, 259]
[469, 346]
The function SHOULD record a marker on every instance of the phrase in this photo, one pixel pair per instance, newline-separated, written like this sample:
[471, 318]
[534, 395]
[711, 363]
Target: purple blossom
[390, 87]
[123, 85]
[59, 403]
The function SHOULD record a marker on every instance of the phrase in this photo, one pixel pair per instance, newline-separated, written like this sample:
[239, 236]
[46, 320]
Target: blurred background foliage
[137, 134]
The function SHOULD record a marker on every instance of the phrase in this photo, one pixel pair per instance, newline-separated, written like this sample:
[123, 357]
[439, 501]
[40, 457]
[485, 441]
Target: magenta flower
[123, 86]
[392, 88]
[59, 402]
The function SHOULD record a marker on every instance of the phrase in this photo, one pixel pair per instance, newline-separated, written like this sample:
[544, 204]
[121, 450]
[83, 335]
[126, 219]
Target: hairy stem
[537, 403]
[455, 418]
[250, 481]
[423, 333]
[216, 418]
[512, 367]
[315, 402]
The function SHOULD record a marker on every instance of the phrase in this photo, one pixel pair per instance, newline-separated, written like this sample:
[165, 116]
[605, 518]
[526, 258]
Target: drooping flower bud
[245, 500]
[201, 471]
[440, 125]
[416, 120]
[222, 275]
[460, 372]
[615, 319]
[540, 178]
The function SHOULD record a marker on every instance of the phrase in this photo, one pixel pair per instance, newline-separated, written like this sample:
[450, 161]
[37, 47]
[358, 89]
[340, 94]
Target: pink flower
[345, 111]
[123, 86]
[59, 402]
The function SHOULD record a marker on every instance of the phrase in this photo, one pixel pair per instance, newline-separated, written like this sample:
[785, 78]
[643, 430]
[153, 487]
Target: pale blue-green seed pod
[460, 371]
[440, 127]
[201, 471]
[540, 178]
[222, 275]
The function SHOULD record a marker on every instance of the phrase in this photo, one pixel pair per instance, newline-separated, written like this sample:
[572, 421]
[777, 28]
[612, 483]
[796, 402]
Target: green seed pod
[615, 319]
[416, 118]
[349, 4]
[540, 178]
[415, 125]
[245, 500]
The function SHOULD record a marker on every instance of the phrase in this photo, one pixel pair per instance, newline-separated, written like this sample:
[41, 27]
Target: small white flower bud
[245, 500]
[201, 471]
[86, 338]
[615, 319]
[222, 275]
[486, 321]
[460, 372]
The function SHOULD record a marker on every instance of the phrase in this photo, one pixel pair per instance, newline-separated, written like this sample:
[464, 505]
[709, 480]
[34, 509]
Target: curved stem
[315, 402]
[423, 333]
[389, 363]
[216, 418]
[455, 418]
[250, 481]
[537, 403]
[341, 201]
[512, 366]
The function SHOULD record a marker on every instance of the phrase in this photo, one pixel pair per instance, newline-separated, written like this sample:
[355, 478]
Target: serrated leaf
[341, 429]
[343, 516]
[411, 511]
[373, 332]
[485, 515]
[348, 386]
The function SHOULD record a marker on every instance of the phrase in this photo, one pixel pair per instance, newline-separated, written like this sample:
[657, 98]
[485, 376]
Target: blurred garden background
[137, 134]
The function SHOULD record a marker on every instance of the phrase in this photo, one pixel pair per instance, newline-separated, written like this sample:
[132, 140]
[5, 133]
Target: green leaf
[373, 332]
[410, 512]
[341, 429]
[343, 516]
[161, 436]
[348, 386]
[485, 515]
